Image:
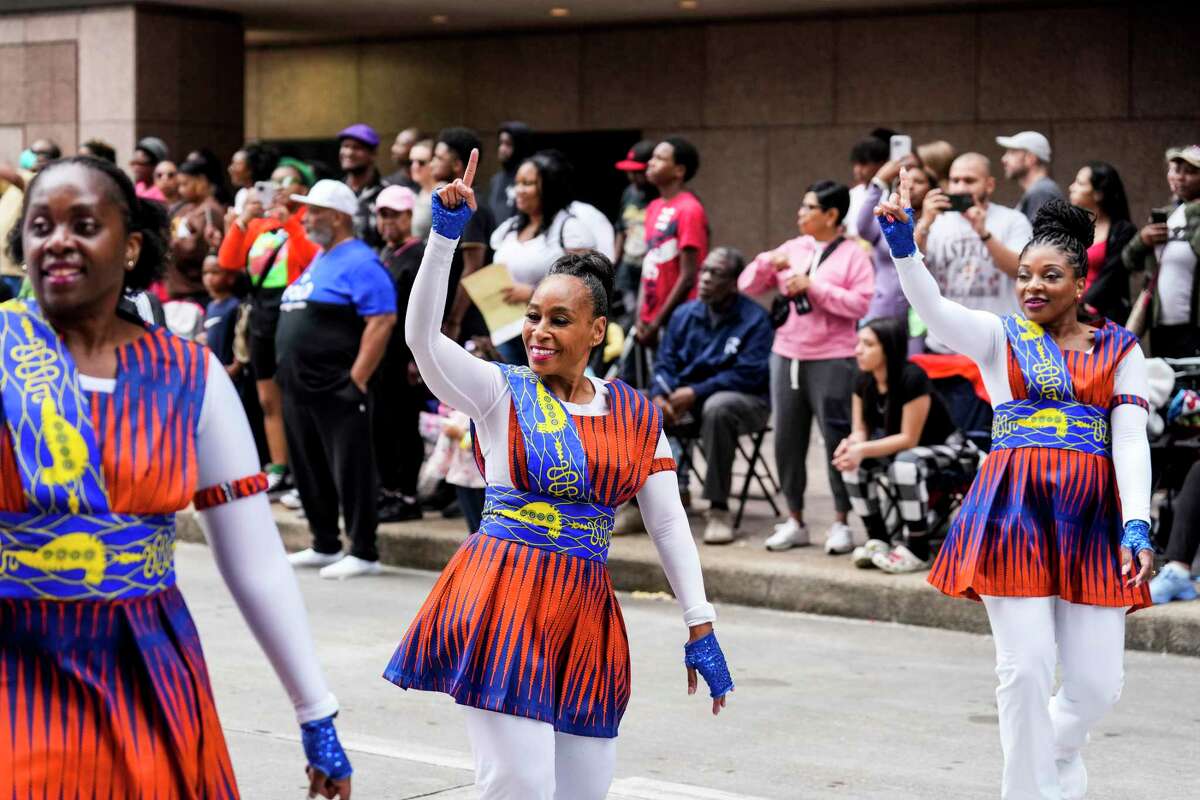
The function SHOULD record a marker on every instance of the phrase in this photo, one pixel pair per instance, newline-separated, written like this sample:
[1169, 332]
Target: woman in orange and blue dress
[1053, 535]
[109, 426]
[523, 628]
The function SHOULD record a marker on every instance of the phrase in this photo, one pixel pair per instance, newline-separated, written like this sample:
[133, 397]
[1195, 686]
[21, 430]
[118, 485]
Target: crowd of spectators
[296, 275]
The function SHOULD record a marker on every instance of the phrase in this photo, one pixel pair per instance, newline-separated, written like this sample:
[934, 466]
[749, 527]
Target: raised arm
[456, 377]
[979, 335]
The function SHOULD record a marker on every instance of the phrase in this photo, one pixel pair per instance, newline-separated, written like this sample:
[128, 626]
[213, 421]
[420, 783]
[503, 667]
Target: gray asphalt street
[825, 707]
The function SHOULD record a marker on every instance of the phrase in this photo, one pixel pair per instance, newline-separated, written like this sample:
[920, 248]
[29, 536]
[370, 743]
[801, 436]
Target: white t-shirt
[1176, 271]
[960, 262]
[530, 261]
[599, 225]
[858, 194]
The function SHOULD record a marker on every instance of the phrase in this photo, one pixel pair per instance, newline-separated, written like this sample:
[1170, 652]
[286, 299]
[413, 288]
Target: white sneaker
[719, 527]
[350, 567]
[291, 500]
[901, 559]
[311, 558]
[865, 552]
[839, 540]
[1072, 777]
[788, 534]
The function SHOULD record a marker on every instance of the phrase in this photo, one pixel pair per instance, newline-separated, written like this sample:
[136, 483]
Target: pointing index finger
[905, 188]
[469, 175]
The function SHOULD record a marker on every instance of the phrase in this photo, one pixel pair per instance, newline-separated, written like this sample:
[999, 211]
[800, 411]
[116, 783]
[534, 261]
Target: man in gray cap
[1026, 160]
[1168, 250]
[334, 327]
[357, 145]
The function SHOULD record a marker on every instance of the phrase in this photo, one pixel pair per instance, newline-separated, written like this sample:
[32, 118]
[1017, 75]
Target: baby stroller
[1174, 433]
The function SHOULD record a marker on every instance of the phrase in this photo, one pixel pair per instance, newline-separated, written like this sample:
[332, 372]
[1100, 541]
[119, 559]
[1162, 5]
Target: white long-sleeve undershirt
[479, 389]
[980, 336]
[247, 547]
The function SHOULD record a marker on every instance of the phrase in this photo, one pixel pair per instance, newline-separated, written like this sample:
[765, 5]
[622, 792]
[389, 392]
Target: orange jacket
[235, 247]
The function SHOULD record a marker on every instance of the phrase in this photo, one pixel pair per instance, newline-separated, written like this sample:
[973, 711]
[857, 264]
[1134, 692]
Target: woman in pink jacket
[827, 281]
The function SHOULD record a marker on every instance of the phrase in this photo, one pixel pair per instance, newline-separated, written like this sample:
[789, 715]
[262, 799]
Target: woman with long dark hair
[1098, 188]
[94, 633]
[901, 428]
[1053, 535]
[543, 229]
[522, 628]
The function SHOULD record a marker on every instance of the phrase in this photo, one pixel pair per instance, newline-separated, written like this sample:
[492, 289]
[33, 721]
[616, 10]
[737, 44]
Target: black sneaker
[279, 484]
[397, 509]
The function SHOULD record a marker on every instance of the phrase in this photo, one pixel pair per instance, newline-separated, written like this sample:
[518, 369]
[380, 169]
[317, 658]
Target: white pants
[517, 758]
[1041, 735]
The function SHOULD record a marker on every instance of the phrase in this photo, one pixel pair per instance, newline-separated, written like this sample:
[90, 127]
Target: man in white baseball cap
[334, 327]
[1026, 160]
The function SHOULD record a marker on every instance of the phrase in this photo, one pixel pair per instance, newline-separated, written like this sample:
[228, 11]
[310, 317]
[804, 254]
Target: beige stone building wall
[119, 74]
[774, 105]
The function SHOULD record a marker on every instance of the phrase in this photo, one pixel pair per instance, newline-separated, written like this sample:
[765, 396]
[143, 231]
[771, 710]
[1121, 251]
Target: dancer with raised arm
[523, 628]
[1053, 536]
[109, 426]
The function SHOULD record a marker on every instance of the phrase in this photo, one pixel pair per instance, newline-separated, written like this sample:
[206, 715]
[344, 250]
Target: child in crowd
[220, 316]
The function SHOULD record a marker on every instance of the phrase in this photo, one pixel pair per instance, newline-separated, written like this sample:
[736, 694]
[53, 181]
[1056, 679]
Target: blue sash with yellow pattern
[555, 513]
[1051, 416]
[68, 545]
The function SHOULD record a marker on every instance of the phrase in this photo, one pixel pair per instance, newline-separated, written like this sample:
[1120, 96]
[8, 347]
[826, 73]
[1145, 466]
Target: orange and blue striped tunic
[109, 697]
[527, 623]
[1043, 517]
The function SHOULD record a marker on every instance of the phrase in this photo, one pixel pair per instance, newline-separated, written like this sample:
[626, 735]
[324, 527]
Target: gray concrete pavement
[826, 707]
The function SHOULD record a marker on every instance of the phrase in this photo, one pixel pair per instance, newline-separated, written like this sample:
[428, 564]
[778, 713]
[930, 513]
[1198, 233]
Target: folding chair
[757, 470]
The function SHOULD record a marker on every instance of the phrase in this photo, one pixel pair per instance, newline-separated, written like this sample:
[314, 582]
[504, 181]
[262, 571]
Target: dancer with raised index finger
[1053, 536]
[523, 628]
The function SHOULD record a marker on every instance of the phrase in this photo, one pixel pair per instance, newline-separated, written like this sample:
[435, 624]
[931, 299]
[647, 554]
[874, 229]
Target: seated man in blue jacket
[711, 379]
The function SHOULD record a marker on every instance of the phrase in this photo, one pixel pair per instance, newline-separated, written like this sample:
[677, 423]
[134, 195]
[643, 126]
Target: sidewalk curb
[829, 587]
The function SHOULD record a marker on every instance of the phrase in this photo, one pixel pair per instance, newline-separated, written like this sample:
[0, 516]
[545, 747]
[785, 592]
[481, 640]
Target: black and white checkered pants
[908, 472]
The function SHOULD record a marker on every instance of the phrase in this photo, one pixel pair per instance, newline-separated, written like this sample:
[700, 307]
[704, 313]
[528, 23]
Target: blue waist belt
[1052, 423]
[85, 557]
[550, 523]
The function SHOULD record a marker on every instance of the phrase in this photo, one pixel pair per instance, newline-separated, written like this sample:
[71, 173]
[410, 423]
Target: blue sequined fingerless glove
[705, 656]
[899, 235]
[449, 222]
[323, 750]
[1137, 537]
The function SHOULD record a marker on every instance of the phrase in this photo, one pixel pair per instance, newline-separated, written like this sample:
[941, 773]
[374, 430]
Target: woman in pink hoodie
[827, 281]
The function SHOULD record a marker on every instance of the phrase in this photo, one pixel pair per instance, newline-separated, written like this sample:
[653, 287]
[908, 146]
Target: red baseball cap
[637, 157]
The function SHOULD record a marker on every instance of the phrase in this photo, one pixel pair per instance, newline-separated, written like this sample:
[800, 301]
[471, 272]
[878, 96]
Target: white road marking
[622, 788]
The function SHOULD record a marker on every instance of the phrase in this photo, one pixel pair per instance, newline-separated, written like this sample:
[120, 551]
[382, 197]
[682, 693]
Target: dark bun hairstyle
[141, 216]
[595, 271]
[1066, 227]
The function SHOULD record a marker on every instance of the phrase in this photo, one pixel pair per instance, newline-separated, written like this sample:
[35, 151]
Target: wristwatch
[987, 236]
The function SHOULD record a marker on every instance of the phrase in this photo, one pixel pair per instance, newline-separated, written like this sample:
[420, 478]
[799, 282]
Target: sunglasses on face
[420, 162]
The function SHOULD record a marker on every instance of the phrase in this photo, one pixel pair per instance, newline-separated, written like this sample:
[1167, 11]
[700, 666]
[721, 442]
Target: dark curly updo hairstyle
[141, 216]
[597, 275]
[1066, 227]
